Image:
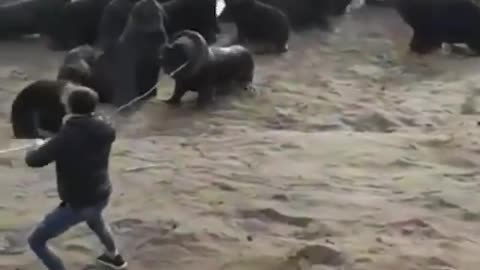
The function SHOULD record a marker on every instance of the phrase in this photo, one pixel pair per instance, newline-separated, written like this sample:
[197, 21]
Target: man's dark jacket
[81, 153]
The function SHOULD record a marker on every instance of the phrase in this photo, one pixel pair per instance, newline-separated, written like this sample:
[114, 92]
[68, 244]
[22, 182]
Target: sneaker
[116, 262]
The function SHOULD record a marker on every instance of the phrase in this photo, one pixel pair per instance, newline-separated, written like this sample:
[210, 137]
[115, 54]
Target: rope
[171, 74]
[18, 148]
[131, 102]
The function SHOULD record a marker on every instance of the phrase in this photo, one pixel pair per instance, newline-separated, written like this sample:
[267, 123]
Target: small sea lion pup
[441, 21]
[39, 108]
[260, 24]
[206, 70]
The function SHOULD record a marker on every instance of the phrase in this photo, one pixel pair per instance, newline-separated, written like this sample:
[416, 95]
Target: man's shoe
[116, 262]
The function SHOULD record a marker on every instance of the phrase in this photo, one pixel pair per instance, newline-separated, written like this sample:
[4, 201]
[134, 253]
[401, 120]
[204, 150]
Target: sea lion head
[79, 73]
[146, 19]
[186, 54]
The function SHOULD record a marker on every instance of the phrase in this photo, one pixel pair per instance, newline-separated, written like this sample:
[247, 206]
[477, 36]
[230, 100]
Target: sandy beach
[351, 155]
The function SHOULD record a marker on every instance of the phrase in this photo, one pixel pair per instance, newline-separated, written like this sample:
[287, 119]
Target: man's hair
[82, 100]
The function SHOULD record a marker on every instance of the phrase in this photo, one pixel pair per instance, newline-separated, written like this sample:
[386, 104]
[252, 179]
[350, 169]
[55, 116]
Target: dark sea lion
[441, 21]
[26, 17]
[197, 15]
[78, 24]
[113, 21]
[129, 66]
[76, 66]
[260, 24]
[39, 107]
[303, 14]
[207, 70]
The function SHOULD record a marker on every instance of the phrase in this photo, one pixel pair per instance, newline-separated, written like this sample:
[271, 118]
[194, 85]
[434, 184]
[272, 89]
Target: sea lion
[128, 67]
[303, 14]
[40, 107]
[131, 67]
[207, 70]
[197, 15]
[113, 21]
[26, 17]
[260, 24]
[76, 66]
[441, 21]
[77, 24]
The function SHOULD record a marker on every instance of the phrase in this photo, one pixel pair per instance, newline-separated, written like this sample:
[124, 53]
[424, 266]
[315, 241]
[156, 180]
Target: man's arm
[46, 153]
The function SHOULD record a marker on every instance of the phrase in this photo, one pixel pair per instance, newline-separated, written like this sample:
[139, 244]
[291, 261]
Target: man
[81, 152]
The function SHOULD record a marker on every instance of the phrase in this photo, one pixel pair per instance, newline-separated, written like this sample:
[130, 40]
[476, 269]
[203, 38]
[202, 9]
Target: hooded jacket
[81, 153]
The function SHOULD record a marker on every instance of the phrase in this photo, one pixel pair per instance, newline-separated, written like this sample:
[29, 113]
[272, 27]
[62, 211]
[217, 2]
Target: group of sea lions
[118, 47]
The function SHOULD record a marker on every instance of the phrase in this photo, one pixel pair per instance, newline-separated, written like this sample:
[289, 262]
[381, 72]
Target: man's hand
[39, 142]
[36, 144]
[42, 152]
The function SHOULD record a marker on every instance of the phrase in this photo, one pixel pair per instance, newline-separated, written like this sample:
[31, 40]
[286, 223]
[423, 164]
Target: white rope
[146, 93]
[131, 102]
[171, 74]
[18, 148]
[119, 109]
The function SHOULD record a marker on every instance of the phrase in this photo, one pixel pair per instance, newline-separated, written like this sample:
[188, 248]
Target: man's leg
[104, 234]
[53, 225]
[95, 221]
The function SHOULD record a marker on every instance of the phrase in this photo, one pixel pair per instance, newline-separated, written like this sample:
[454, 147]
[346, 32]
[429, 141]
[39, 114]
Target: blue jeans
[59, 221]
